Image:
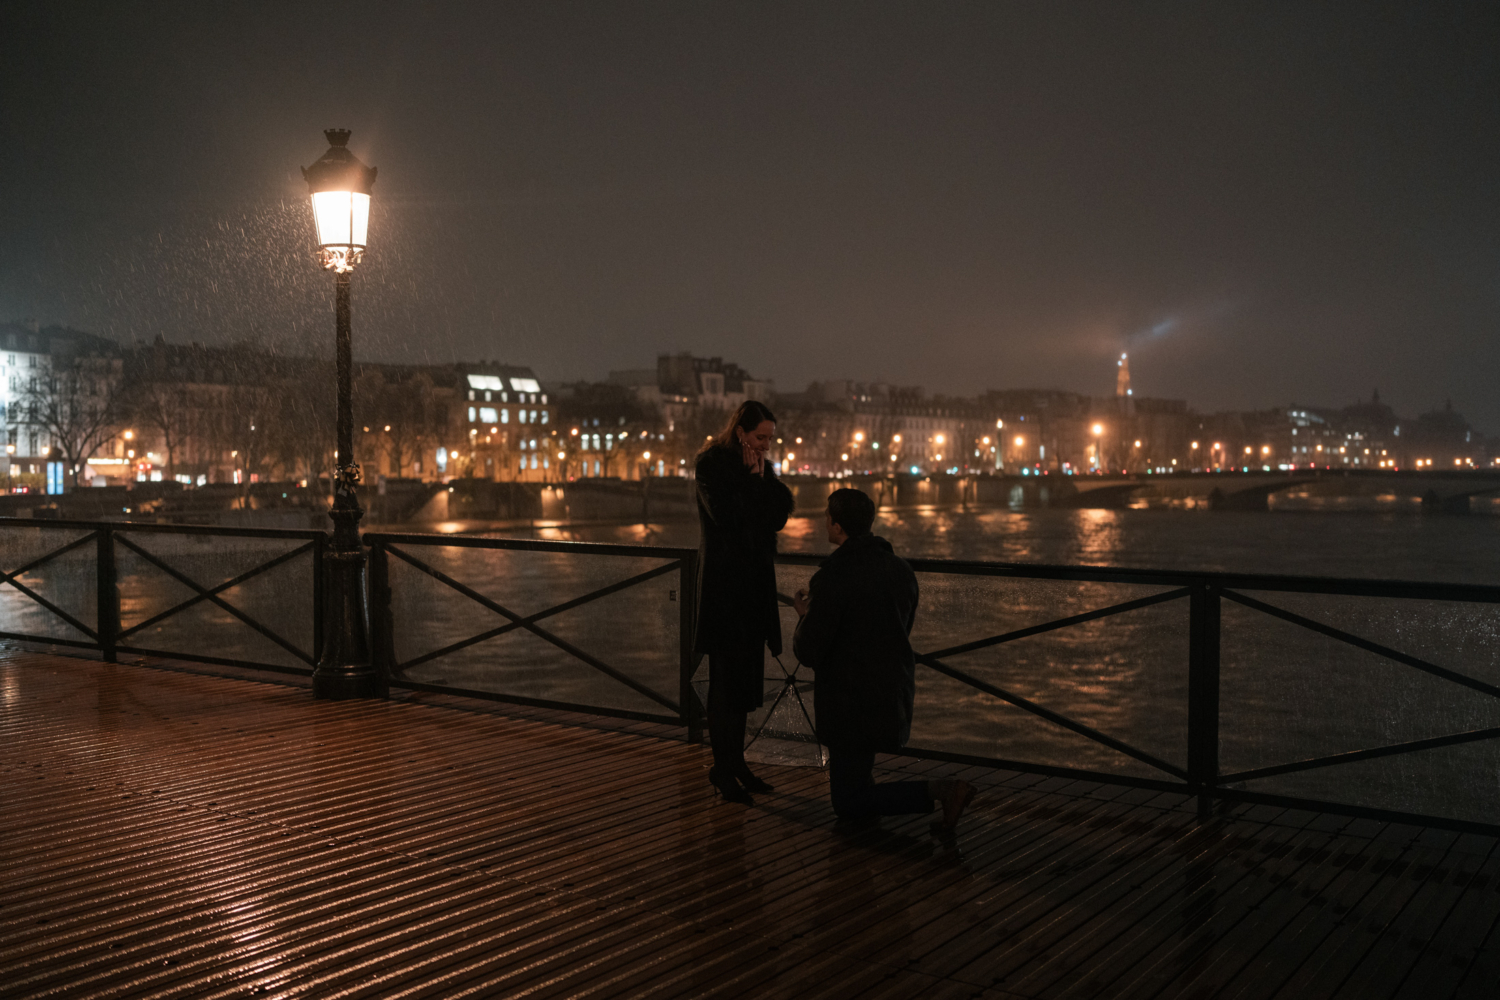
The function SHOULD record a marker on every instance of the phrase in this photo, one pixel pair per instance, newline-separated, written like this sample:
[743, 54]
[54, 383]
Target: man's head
[850, 514]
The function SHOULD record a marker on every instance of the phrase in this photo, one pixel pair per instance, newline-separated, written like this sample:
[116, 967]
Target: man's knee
[853, 804]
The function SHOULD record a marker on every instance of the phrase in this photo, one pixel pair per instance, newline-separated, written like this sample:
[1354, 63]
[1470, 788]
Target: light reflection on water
[1385, 545]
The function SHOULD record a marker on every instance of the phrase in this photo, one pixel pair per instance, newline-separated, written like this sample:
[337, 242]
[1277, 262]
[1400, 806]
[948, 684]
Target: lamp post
[340, 188]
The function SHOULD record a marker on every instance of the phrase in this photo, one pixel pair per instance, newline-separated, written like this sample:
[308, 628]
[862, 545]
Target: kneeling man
[857, 616]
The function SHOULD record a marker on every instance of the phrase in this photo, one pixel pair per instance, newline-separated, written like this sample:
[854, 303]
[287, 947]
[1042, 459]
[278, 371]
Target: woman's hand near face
[755, 461]
[755, 444]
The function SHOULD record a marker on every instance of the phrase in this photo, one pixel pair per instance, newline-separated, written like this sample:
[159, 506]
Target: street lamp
[340, 188]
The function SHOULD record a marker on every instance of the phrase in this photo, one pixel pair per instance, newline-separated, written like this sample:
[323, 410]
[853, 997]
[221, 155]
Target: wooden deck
[165, 833]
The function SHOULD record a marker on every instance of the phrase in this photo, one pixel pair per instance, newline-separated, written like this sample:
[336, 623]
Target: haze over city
[1262, 203]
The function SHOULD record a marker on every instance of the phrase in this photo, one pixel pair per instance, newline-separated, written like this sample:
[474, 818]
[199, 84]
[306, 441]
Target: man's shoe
[954, 796]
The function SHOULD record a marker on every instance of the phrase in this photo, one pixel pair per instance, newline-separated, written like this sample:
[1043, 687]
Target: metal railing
[111, 635]
[386, 549]
[1206, 594]
[403, 650]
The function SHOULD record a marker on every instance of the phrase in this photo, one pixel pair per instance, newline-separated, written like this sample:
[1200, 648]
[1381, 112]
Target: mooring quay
[169, 833]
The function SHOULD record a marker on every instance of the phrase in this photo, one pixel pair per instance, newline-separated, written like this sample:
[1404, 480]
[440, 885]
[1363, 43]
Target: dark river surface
[1287, 693]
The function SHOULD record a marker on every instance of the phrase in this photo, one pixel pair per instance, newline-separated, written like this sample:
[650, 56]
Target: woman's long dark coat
[739, 513]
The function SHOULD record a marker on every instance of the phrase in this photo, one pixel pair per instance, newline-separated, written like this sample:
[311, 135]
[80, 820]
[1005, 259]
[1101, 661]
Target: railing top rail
[1413, 589]
[152, 526]
[532, 544]
[1471, 592]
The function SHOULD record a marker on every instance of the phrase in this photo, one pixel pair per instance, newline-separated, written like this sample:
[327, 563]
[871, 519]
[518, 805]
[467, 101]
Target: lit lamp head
[340, 187]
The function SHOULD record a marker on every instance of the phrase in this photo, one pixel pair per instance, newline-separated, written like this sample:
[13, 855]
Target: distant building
[26, 353]
[841, 427]
[29, 355]
[510, 428]
[609, 430]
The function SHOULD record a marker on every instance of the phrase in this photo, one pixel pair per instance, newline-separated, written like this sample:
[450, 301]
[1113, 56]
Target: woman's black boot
[728, 787]
[750, 781]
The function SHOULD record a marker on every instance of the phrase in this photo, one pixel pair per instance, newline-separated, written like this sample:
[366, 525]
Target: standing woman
[741, 506]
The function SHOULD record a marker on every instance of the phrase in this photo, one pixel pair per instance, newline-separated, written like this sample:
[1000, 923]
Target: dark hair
[851, 510]
[750, 415]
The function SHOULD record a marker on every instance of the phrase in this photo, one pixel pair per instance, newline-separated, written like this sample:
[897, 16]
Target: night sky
[1262, 202]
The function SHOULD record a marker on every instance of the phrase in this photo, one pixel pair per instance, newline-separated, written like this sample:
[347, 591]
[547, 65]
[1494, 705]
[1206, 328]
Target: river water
[1399, 545]
[1287, 693]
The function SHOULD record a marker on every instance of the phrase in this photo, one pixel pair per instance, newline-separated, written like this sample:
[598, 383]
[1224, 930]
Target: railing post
[107, 620]
[320, 545]
[1203, 693]
[686, 597]
[382, 626]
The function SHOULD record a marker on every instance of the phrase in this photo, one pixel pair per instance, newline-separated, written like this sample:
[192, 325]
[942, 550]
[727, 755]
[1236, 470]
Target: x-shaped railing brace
[1412, 746]
[11, 578]
[212, 594]
[529, 623]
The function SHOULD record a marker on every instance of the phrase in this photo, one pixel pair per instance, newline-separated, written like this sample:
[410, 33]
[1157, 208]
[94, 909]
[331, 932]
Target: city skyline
[809, 383]
[985, 196]
[86, 409]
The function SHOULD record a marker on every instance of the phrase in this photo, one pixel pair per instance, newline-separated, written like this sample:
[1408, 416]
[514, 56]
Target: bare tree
[398, 417]
[166, 408]
[79, 402]
[303, 424]
[248, 429]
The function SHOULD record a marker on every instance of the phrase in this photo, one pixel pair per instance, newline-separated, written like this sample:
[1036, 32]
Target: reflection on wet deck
[172, 834]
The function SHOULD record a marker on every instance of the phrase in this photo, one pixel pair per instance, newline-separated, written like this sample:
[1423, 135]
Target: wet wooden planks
[170, 834]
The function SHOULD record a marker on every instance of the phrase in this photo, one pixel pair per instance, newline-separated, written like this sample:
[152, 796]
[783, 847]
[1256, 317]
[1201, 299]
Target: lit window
[544, 416]
[488, 414]
[505, 416]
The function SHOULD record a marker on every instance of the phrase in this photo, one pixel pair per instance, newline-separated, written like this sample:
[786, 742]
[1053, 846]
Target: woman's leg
[726, 727]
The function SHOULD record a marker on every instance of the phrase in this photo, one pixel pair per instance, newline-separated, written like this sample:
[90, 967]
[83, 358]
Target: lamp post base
[346, 670]
[342, 683]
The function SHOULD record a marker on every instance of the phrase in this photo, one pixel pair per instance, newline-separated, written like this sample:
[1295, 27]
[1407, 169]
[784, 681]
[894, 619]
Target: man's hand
[800, 602]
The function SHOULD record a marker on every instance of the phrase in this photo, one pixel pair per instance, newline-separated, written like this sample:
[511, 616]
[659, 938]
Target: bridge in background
[1447, 491]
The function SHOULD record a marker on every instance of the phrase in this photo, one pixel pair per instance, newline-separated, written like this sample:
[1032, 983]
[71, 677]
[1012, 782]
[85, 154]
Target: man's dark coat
[739, 514]
[861, 607]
